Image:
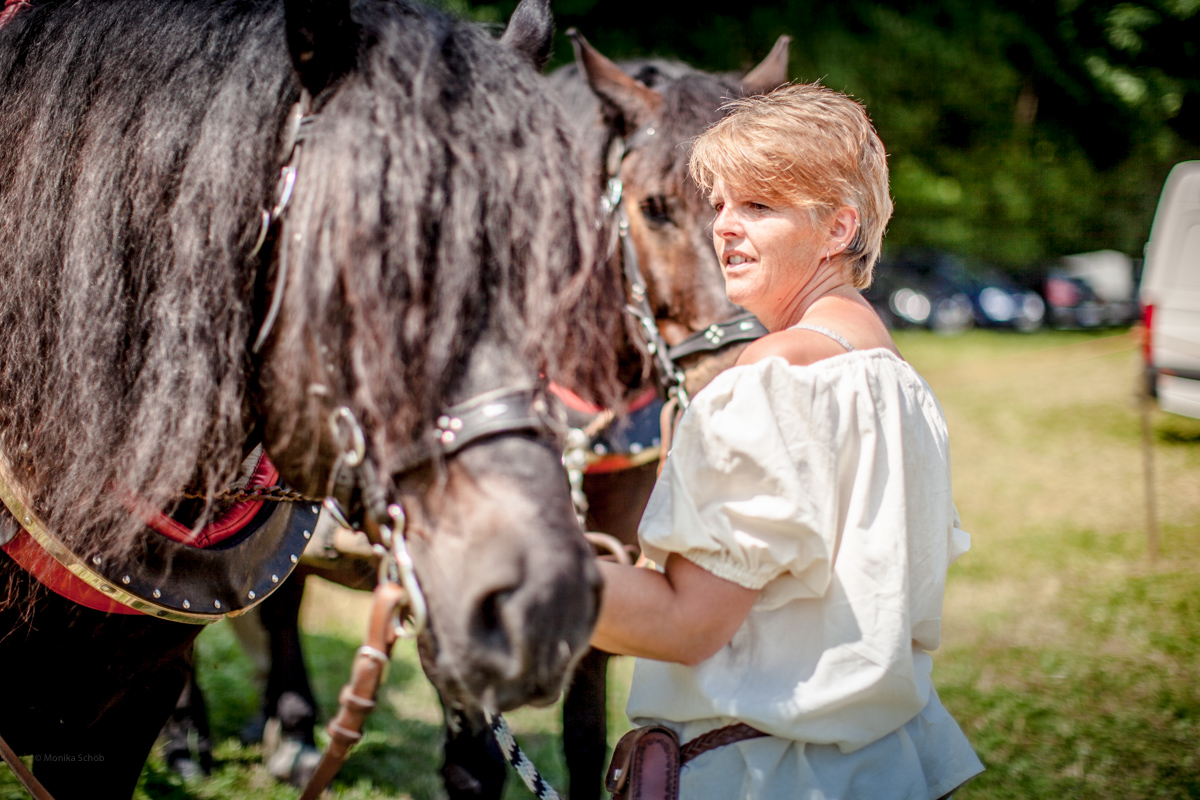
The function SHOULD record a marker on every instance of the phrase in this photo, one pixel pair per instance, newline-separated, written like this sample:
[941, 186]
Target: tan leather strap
[357, 698]
[738, 732]
[668, 418]
[31, 784]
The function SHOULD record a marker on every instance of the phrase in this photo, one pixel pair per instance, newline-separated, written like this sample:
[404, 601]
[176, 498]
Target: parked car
[936, 290]
[1092, 290]
[1170, 294]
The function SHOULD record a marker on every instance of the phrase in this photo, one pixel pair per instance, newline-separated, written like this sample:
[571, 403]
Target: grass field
[1071, 660]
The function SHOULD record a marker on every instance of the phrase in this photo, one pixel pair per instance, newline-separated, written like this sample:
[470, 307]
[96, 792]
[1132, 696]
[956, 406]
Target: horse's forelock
[691, 103]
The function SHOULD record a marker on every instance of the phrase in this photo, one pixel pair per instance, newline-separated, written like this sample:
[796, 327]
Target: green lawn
[1070, 660]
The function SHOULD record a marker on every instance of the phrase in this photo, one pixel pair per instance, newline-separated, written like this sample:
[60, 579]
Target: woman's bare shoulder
[861, 328]
[797, 347]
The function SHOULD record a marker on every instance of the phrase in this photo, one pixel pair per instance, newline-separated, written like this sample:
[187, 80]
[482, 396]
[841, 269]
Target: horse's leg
[190, 715]
[85, 693]
[288, 697]
[616, 501]
[474, 768]
[256, 644]
[585, 725]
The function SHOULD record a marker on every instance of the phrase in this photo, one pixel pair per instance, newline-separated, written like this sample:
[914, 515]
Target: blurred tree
[1019, 130]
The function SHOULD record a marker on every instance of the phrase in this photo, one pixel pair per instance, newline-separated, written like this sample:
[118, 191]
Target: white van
[1170, 294]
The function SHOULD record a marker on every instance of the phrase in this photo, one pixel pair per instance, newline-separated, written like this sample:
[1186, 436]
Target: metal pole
[1146, 403]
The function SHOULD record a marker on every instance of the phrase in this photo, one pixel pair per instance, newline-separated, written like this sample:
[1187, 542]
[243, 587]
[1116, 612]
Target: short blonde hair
[808, 146]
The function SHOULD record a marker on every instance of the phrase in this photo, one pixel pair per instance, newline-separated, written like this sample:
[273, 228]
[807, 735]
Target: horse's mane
[436, 201]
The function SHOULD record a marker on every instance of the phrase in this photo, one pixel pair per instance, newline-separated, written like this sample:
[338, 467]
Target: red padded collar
[25, 550]
[12, 8]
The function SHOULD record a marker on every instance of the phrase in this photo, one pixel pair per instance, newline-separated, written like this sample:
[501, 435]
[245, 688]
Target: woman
[803, 520]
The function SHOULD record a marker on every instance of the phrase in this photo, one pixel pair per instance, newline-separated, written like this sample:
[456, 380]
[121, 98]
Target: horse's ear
[772, 72]
[323, 40]
[635, 102]
[530, 31]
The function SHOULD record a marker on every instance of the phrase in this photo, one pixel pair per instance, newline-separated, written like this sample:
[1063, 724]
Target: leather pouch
[645, 765]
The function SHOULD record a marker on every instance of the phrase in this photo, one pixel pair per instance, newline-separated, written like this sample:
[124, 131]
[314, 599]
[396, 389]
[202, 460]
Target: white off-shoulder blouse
[827, 487]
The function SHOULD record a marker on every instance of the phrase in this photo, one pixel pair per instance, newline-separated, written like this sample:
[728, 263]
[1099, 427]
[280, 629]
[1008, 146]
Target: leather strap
[31, 784]
[357, 698]
[719, 335]
[737, 732]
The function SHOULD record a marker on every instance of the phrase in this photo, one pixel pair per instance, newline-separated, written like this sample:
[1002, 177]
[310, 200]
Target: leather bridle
[356, 498]
[582, 449]
[741, 328]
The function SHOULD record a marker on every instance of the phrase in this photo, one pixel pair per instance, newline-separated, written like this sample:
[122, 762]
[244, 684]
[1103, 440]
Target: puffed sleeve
[747, 492]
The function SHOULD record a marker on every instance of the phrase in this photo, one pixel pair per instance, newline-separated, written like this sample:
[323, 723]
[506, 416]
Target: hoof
[252, 731]
[188, 768]
[294, 762]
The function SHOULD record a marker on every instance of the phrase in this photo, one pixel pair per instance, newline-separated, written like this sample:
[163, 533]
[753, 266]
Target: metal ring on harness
[610, 543]
[396, 566]
[355, 442]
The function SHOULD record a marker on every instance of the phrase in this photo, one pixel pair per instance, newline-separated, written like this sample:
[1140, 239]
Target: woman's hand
[684, 615]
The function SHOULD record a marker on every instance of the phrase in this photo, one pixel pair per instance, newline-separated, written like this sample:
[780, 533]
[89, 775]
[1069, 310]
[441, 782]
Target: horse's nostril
[491, 610]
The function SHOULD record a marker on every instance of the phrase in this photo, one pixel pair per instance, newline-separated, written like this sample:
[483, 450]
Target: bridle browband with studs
[355, 494]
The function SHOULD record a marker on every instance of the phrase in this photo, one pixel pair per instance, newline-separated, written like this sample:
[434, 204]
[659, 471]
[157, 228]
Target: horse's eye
[655, 210]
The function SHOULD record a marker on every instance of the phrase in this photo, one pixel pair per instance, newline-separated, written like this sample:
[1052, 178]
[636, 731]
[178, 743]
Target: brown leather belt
[737, 732]
[646, 762]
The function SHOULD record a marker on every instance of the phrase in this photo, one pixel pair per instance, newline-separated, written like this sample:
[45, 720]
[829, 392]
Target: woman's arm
[683, 615]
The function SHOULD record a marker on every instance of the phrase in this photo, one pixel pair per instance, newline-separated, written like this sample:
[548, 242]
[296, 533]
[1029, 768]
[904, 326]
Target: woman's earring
[827, 256]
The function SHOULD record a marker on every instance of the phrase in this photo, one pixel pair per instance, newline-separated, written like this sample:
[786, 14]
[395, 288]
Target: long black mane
[437, 199]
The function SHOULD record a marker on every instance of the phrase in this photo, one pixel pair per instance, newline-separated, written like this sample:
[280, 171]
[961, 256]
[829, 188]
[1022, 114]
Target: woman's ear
[842, 229]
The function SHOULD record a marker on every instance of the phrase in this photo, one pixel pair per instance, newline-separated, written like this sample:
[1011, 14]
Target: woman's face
[768, 252]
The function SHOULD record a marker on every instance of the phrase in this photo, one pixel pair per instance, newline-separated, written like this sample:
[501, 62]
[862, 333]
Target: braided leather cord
[737, 732]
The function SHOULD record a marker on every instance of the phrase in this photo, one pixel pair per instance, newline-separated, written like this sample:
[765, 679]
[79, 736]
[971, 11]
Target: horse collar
[168, 577]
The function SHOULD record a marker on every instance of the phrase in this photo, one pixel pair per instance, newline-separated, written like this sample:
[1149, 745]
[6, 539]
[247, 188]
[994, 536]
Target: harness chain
[275, 494]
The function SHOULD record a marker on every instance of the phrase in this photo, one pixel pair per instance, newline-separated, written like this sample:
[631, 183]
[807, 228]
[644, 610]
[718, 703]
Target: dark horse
[635, 121]
[159, 323]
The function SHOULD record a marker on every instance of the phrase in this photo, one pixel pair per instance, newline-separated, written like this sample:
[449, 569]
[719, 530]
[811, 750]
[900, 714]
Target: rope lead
[514, 755]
